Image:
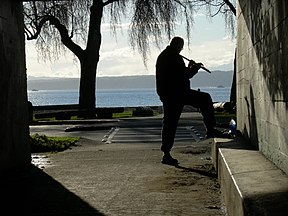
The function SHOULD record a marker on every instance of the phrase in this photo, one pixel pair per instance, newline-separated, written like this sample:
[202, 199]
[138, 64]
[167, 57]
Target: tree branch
[219, 9]
[231, 6]
[65, 38]
[38, 29]
[109, 2]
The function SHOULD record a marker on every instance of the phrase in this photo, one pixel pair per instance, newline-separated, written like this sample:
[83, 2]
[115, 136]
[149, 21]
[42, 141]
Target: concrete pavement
[115, 169]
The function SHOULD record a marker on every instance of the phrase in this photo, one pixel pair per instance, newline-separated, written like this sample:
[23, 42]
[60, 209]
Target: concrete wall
[14, 129]
[262, 76]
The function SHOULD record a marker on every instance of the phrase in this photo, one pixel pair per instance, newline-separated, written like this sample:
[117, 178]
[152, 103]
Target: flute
[202, 67]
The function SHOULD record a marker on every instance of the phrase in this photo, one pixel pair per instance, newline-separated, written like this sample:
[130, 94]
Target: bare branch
[219, 10]
[231, 6]
[109, 2]
[66, 39]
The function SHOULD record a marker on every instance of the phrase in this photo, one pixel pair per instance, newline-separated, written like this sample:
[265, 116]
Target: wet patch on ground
[40, 160]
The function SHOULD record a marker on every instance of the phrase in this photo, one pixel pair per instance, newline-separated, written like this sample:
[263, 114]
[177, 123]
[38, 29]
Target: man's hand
[194, 65]
[191, 63]
[193, 68]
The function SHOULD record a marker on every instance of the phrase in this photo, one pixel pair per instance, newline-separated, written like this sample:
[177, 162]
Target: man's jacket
[172, 75]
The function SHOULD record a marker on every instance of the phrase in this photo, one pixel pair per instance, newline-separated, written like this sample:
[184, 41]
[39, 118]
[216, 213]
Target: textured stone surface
[262, 96]
[14, 129]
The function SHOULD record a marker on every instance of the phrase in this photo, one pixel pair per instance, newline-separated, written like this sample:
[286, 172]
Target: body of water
[115, 97]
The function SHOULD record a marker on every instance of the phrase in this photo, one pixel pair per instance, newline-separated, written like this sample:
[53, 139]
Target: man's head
[177, 44]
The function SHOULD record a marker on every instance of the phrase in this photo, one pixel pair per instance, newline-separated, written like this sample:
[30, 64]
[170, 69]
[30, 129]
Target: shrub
[42, 143]
[143, 111]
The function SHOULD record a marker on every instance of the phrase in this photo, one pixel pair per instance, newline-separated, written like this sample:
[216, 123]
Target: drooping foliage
[151, 20]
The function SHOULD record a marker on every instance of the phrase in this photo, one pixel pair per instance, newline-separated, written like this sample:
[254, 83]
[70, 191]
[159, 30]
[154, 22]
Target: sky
[210, 45]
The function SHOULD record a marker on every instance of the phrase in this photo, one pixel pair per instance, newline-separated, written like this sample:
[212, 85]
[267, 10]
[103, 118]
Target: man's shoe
[217, 134]
[169, 160]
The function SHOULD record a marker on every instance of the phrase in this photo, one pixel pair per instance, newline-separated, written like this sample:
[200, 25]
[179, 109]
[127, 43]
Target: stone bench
[250, 183]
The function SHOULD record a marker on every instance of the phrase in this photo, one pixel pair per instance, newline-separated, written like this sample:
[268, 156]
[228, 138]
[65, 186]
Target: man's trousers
[172, 108]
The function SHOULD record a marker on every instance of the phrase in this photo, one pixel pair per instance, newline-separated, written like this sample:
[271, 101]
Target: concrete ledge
[250, 183]
[64, 112]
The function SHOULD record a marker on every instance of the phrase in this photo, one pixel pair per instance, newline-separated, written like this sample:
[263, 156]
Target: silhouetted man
[173, 87]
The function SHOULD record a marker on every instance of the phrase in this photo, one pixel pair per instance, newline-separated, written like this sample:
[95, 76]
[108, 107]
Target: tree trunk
[89, 62]
[87, 98]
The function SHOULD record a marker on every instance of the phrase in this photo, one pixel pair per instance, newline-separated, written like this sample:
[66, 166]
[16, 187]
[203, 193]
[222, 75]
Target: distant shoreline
[216, 78]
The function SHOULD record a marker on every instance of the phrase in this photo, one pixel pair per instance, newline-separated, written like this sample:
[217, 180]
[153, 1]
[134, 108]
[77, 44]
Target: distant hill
[202, 79]
[216, 78]
[44, 83]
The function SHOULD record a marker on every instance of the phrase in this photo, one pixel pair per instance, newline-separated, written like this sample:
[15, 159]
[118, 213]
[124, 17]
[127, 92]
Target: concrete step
[250, 183]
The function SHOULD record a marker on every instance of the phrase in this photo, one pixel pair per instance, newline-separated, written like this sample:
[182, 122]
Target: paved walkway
[115, 169]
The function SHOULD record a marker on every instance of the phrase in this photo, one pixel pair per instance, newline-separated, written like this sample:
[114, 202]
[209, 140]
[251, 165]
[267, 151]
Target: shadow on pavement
[36, 193]
[201, 172]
